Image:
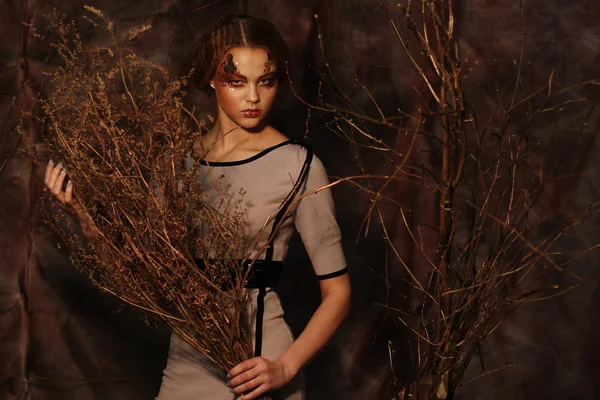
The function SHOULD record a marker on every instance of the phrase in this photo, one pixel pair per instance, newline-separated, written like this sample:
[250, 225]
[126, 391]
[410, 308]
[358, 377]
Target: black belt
[263, 274]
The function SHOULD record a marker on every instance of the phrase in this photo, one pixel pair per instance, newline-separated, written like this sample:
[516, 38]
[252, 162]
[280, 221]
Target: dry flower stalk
[490, 256]
[118, 125]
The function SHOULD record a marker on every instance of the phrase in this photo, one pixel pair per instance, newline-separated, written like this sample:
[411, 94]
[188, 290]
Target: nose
[252, 94]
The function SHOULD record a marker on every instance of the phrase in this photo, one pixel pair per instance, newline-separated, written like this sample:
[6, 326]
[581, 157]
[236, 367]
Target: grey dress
[259, 185]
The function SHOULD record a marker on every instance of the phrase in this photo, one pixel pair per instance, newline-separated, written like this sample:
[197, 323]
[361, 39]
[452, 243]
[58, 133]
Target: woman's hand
[258, 376]
[54, 179]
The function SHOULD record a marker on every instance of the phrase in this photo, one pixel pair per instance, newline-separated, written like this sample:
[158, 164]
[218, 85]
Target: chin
[252, 123]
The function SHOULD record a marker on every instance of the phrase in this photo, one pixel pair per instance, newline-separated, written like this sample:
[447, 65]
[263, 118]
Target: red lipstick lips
[251, 113]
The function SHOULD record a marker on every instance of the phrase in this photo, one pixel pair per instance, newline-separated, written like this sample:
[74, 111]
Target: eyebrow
[268, 74]
[272, 73]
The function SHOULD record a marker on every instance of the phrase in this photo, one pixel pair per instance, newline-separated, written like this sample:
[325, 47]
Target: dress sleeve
[314, 218]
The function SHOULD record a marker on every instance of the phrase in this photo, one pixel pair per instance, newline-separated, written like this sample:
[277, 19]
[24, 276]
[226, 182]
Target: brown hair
[237, 30]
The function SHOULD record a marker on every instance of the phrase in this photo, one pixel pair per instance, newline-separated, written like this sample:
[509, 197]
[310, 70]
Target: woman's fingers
[54, 178]
[248, 370]
[248, 385]
[245, 381]
[69, 192]
[54, 174]
[58, 182]
[256, 393]
[257, 376]
[243, 367]
[49, 168]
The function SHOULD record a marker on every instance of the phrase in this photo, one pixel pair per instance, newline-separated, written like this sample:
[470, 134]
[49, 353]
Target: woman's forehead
[248, 61]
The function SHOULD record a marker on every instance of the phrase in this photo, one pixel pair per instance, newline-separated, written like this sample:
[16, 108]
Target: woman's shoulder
[288, 150]
[273, 136]
[295, 153]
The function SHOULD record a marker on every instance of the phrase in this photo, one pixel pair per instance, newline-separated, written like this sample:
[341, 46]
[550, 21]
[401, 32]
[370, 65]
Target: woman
[242, 61]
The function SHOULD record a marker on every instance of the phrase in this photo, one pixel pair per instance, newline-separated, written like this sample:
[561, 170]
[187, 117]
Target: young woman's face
[245, 86]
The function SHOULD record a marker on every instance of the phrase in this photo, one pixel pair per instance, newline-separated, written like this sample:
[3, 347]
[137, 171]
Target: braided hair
[237, 30]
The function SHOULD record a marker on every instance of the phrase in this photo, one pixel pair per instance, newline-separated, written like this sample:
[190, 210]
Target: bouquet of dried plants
[118, 125]
[491, 255]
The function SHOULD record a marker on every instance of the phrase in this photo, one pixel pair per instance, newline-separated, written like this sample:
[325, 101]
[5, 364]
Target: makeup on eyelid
[246, 85]
[227, 71]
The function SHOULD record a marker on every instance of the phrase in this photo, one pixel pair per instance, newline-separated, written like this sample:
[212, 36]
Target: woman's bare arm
[54, 179]
[259, 375]
[335, 305]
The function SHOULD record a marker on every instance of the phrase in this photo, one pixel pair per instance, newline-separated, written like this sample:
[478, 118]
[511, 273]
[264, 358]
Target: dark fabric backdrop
[60, 338]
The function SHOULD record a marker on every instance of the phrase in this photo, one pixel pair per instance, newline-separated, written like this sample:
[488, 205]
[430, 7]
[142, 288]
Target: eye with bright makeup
[235, 82]
[246, 83]
[269, 82]
[229, 73]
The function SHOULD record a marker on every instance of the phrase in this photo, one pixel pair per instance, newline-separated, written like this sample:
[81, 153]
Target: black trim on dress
[283, 209]
[265, 273]
[333, 274]
[246, 160]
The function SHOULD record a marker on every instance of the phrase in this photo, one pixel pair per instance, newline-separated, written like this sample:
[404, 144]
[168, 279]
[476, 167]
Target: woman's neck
[230, 133]
[236, 142]
[226, 136]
